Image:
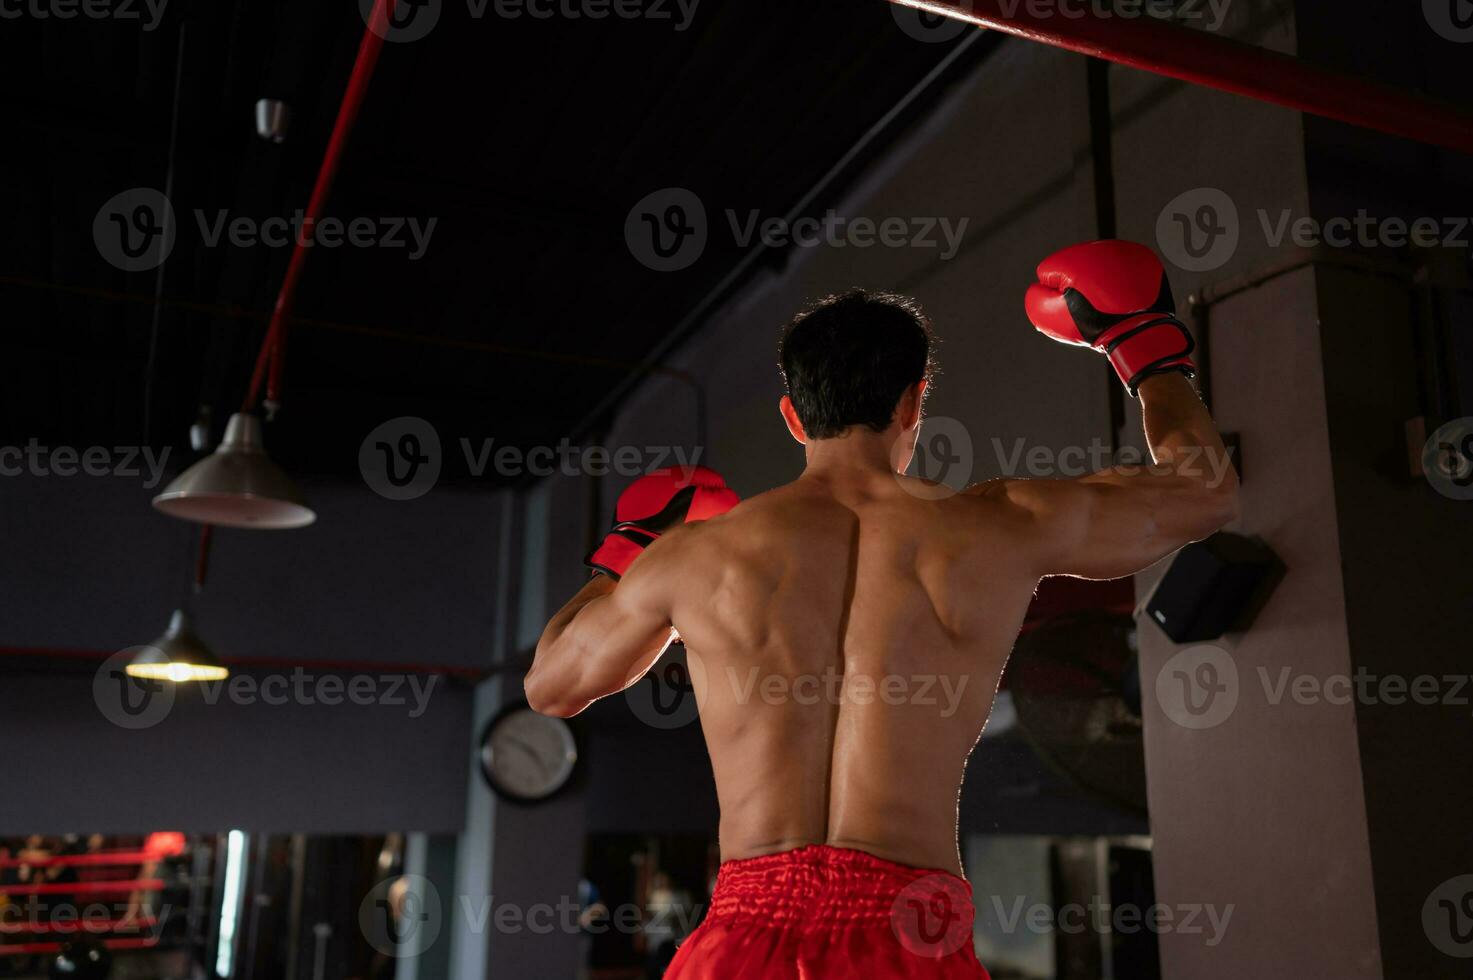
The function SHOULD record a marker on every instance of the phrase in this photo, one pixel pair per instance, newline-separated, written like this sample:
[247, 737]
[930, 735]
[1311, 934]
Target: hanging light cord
[273, 346]
[150, 366]
[202, 561]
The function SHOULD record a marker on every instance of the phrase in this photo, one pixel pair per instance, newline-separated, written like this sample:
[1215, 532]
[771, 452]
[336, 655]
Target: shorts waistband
[820, 886]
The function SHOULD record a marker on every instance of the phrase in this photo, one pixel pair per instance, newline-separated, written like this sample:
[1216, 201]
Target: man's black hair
[848, 358]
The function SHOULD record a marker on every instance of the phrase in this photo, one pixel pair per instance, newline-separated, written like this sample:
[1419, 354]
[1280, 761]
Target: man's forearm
[602, 641]
[557, 661]
[597, 587]
[1181, 433]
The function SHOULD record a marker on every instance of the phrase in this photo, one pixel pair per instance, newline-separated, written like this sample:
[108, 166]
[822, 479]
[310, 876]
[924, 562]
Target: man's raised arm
[1113, 296]
[617, 626]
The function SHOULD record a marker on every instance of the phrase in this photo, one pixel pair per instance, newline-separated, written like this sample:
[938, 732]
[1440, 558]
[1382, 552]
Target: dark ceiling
[528, 141]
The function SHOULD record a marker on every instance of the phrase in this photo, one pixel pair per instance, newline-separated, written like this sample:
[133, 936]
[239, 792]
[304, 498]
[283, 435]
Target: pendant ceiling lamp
[237, 485]
[179, 655]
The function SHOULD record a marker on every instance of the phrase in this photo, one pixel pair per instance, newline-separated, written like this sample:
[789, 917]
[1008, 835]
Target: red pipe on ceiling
[1217, 62]
[273, 347]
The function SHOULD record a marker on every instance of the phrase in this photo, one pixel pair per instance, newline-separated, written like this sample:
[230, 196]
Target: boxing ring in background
[1216, 62]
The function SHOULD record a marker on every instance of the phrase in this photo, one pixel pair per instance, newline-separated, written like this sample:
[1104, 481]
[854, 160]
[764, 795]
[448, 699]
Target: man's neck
[857, 450]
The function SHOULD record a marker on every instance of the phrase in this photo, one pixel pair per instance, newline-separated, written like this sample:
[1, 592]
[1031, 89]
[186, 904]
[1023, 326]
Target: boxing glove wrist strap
[1154, 346]
[617, 551]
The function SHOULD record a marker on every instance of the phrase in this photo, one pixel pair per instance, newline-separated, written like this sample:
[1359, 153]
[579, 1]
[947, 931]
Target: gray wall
[87, 565]
[1404, 546]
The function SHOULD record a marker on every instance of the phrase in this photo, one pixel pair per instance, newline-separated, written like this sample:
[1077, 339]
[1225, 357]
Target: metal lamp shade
[179, 655]
[237, 485]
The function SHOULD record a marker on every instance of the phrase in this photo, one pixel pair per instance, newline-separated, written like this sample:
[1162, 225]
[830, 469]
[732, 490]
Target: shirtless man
[824, 619]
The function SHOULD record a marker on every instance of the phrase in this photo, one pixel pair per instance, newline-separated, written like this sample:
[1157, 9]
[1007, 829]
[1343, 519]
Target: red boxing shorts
[820, 912]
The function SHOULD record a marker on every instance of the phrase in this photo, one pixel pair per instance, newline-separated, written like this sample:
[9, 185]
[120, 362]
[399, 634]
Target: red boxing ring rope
[1220, 63]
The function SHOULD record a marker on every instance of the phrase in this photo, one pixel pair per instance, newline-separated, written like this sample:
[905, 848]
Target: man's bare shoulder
[755, 523]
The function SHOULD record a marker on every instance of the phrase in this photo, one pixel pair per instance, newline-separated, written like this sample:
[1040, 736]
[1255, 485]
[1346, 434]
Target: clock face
[527, 756]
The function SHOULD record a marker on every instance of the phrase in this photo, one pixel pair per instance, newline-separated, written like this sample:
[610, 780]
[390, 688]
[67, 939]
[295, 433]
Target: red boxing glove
[652, 505]
[1112, 296]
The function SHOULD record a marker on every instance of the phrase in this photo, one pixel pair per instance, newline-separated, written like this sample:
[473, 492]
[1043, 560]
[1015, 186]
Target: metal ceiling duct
[237, 485]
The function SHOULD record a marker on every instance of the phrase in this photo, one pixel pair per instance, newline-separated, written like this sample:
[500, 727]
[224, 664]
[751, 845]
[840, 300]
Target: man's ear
[909, 408]
[790, 416]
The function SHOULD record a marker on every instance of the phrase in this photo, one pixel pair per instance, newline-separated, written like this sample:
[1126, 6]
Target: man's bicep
[1094, 527]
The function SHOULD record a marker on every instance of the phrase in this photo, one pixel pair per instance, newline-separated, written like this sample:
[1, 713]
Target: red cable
[202, 562]
[273, 346]
[1217, 62]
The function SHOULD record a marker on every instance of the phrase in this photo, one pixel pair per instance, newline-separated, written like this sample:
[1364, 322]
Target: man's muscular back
[847, 631]
[846, 634]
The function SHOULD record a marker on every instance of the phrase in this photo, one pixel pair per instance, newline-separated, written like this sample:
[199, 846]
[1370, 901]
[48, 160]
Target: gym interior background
[569, 235]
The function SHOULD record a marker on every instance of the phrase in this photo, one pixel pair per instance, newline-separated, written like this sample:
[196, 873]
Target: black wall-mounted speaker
[1213, 587]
